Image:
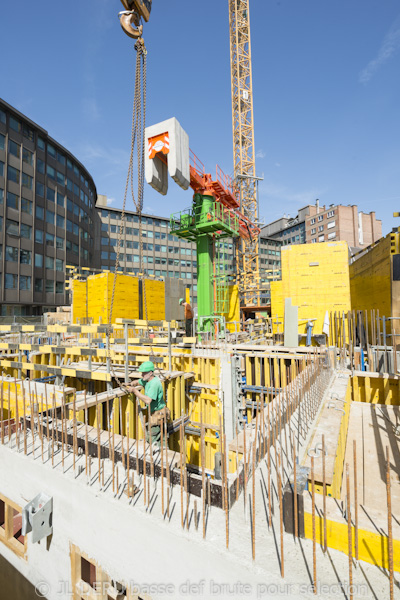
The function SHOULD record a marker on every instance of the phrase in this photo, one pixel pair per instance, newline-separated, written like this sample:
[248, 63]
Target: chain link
[138, 139]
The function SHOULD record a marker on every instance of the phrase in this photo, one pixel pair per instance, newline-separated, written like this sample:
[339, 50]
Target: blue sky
[326, 93]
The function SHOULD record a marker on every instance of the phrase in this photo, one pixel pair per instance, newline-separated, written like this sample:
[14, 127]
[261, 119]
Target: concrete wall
[128, 543]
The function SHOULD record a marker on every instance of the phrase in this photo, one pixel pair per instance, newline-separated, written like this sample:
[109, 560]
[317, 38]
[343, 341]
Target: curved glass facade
[47, 216]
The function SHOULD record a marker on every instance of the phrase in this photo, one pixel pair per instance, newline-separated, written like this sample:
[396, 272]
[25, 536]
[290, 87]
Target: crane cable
[138, 139]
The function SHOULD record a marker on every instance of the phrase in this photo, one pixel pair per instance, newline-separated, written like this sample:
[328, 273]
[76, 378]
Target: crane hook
[130, 23]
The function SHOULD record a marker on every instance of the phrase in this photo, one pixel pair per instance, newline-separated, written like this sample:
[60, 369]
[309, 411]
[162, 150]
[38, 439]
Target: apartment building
[290, 230]
[316, 223]
[338, 222]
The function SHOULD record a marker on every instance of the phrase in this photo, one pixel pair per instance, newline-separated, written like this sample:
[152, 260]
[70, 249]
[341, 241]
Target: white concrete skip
[175, 147]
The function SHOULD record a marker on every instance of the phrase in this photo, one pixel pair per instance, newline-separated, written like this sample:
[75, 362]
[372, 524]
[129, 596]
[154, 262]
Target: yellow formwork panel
[316, 278]
[371, 278]
[17, 400]
[92, 298]
[334, 489]
[155, 300]
[376, 390]
[233, 313]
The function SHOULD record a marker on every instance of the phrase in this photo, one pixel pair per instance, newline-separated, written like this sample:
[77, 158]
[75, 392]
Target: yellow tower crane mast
[243, 150]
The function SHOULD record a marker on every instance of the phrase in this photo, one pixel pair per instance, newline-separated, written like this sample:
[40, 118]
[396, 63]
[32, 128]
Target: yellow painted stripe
[372, 547]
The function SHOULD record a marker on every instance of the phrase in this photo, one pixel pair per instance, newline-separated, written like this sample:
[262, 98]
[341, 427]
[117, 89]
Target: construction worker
[153, 396]
[188, 317]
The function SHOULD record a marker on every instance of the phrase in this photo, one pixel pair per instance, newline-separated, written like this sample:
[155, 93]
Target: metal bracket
[37, 517]
[316, 452]
[333, 405]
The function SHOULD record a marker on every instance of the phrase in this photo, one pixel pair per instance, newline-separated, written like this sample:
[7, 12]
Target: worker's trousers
[189, 327]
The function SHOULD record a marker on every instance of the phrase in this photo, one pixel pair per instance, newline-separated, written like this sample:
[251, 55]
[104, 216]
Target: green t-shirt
[153, 389]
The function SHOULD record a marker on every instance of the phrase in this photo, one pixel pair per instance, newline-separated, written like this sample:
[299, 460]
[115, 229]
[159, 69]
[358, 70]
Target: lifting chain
[137, 138]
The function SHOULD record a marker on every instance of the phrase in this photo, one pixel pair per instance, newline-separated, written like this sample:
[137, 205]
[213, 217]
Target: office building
[47, 216]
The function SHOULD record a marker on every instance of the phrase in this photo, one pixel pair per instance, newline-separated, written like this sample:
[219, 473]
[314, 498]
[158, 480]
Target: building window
[11, 254]
[332, 235]
[39, 189]
[60, 199]
[28, 133]
[40, 166]
[59, 243]
[39, 212]
[15, 124]
[1, 196]
[1, 168]
[12, 227]
[26, 206]
[331, 225]
[50, 217]
[51, 150]
[12, 201]
[49, 285]
[13, 174]
[59, 287]
[312, 221]
[11, 281]
[320, 228]
[59, 264]
[2, 116]
[321, 238]
[38, 285]
[25, 257]
[50, 194]
[60, 221]
[39, 260]
[320, 217]
[14, 148]
[330, 214]
[24, 282]
[2, 141]
[26, 231]
[27, 181]
[41, 144]
[39, 236]
[49, 239]
[27, 157]
[51, 172]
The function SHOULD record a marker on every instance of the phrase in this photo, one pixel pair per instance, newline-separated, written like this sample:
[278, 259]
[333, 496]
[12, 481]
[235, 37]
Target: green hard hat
[181, 300]
[146, 367]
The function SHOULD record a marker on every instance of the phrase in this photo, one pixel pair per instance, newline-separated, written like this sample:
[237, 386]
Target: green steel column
[205, 305]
